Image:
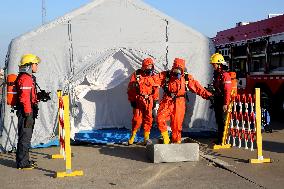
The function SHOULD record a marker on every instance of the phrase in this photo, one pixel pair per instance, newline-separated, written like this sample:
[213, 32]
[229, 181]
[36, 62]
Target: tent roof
[95, 3]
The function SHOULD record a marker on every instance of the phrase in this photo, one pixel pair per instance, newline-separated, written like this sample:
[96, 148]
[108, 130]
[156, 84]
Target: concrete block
[158, 153]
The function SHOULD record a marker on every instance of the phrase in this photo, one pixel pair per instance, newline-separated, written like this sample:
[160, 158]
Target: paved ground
[119, 166]
[269, 175]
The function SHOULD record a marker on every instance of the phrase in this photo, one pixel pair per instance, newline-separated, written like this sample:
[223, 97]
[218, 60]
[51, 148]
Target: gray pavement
[268, 175]
[119, 166]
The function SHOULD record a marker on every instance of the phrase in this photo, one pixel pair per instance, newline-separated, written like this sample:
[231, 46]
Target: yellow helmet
[29, 59]
[217, 59]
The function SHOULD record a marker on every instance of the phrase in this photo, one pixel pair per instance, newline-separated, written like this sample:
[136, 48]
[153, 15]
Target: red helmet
[146, 62]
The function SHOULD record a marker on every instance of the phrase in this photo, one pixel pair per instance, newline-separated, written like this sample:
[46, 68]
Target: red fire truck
[255, 51]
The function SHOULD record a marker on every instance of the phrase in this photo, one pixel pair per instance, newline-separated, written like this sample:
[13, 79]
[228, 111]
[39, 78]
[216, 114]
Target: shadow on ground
[273, 146]
[8, 160]
[134, 152]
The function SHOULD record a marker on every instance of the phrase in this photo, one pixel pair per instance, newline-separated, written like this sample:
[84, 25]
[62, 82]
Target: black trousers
[24, 140]
[219, 116]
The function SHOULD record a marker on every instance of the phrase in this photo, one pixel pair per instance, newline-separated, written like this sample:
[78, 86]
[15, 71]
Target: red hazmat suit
[143, 93]
[172, 106]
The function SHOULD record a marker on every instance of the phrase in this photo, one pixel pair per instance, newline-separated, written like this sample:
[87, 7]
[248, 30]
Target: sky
[206, 16]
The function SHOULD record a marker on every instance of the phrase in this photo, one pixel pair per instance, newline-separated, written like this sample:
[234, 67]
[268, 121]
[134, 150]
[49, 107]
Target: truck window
[277, 57]
[239, 66]
[257, 64]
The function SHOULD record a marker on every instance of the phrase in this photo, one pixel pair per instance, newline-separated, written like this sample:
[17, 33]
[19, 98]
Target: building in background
[255, 51]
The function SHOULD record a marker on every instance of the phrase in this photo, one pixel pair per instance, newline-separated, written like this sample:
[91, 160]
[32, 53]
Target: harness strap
[137, 76]
[173, 95]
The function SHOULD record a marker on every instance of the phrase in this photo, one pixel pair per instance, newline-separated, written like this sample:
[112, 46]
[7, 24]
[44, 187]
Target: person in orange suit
[143, 95]
[172, 106]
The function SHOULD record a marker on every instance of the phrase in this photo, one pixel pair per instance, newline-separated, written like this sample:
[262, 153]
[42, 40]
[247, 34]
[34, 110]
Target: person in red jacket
[143, 96]
[26, 108]
[172, 106]
[223, 87]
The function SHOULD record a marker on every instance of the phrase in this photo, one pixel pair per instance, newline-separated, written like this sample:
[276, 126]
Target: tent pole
[167, 44]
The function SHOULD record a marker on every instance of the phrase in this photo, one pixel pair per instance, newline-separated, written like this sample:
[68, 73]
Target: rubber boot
[132, 138]
[146, 137]
[166, 137]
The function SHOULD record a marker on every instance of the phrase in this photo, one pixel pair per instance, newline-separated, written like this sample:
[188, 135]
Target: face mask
[177, 73]
[148, 71]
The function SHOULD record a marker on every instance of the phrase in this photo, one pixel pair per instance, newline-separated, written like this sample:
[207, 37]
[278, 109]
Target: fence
[243, 125]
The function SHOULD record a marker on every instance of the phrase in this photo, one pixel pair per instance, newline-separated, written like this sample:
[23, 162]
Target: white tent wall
[53, 51]
[98, 47]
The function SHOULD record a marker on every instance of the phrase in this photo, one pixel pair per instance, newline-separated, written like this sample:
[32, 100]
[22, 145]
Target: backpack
[234, 80]
[12, 94]
[137, 77]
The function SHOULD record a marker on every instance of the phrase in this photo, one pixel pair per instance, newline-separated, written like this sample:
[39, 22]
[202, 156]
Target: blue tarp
[104, 136]
[53, 142]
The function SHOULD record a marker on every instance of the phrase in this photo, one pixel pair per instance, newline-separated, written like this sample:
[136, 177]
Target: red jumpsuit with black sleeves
[26, 88]
[223, 87]
[27, 100]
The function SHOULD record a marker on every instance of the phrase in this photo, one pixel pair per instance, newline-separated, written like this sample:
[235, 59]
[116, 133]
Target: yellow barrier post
[58, 156]
[224, 144]
[260, 158]
[64, 136]
[68, 172]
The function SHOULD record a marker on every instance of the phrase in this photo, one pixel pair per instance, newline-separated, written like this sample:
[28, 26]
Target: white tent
[92, 51]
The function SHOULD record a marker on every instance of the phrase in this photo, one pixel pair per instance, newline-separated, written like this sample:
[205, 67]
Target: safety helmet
[217, 59]
[146, 62]
[28, 59]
